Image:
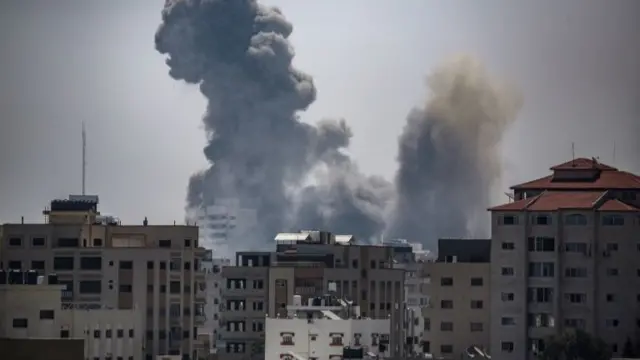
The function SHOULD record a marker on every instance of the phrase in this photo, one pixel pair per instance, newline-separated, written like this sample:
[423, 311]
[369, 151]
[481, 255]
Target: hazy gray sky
[577, 63]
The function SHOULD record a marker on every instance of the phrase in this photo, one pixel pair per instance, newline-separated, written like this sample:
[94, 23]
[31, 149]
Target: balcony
[242, 314]
[199, 319]
[246, 292]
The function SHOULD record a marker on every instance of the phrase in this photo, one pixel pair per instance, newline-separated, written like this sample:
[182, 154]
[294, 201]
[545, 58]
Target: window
[541, 269]
[446, 281]
[150, 265]
[576, 298]
[96, 334]
[536, 345]
[120, 333]
[477, 304]
[575, 323]
[354, 263]
[131, 333]
[508, 245]
[108, 333]
[125, 288]
[507, 297]
[507, 321]
[258, 284]
[508, 220]
[541, 220]
[542, 244]
[20, 323]
[64, 334]
[575, 220]
[446, 326]
[540, 320]
[613, 220]
[187, 265]
[446, 304]
[507, 271]
[575, 247]
[37, 241]
[287, 339]
[613, 272]
[37, 265]
[163, 265]
[47, 314]
[91, 263]
[164, 243]
[15, 241]
[63, 263]
[476, 327]
[336, 340]
[15, 265]
[477, 281]
[97, 242]
[68, 242]
[610, 297]
[90, 287]
[540, 295]
[187, 243]
[507, 346]
[575, 272]
[446, 349]
[125, 265]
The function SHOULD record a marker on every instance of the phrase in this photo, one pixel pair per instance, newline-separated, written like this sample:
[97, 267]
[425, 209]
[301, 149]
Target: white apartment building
[224, 223]
[322, 329]
[214, 285]
[154, 269]
[565, 255]
[409, 257]
[35, 311]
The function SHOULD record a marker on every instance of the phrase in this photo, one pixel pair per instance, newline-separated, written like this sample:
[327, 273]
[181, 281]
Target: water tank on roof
[31, 277]
[297, 300]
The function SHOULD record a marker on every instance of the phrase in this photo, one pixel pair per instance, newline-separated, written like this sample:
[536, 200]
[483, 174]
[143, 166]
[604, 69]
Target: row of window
[17, 241]
[448, 326]
[548, 244]
[538, 345]
[67, 263]
[547, 269]
[571, 220]
[473, 304]
[474, 281]
[242, 284]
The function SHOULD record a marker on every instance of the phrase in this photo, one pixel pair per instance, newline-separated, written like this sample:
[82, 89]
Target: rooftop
[583, 174]
[568, 200]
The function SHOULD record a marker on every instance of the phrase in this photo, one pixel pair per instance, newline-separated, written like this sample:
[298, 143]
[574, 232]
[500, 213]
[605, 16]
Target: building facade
[565, 256]
[457, 318]
[35, 311]
[304, 264]
[322, 329]
[213, 268]
[102, 263]
[225, 222]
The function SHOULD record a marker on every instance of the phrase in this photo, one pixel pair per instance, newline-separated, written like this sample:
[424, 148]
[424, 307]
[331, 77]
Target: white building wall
[214, 284]
[313, 339]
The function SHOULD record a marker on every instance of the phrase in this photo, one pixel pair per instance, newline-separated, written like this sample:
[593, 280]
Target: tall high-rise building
[103, 263]
[225, 224]
[565, 255]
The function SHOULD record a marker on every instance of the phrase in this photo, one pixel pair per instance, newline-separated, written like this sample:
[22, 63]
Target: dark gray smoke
[448, 153]
[260, 153]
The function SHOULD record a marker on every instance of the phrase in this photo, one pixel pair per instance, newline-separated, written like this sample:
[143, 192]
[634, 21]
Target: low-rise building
[322, 329]
[457, 318]
[32, 309]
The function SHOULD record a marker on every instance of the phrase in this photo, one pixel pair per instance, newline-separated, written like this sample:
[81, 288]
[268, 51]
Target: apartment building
[325, 328]
[564, 255]
[31, 309]
[457, 318]
[212, 266]
[103, 263]
[304, 264]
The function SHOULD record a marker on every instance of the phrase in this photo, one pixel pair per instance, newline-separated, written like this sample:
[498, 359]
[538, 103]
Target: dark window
[446, 349]
[68, 242]
[509, 220]
[446, 281]
[130, 333]
[47, 314]
[108, 333]
[37, 241]
[174, 287]
[15, 265]
[64, 334]
[20, 323]
[542, 220]
[37, 265]
[163, 289]
[164, 243]
[354, 263]
[187, 265]
[91, 263]
[373, 264]
[446, 304]
[96, 334]
[126, 265]
[125, 288]
[63, 263]
[613, 220]
[90, 287]
[187, 243]
[150, 265]
[541, 244]
[508, 245]
[120, 333]
[97, 242]
[15, 241]
[476, 281]
[163, 265]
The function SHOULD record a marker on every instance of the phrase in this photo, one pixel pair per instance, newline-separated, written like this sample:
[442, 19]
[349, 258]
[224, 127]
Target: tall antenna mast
[573, 151]
[84, 159]
[614, 154]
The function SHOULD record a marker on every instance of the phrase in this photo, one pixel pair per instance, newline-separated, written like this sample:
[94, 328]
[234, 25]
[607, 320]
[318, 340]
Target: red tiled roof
[583, 164]
[558, 200]
[606, 180]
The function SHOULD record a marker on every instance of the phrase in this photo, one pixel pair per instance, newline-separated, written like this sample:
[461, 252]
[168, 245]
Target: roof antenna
[84, 159]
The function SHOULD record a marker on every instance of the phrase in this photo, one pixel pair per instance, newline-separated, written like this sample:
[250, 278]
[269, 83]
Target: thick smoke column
[238, 52]
[448, 153]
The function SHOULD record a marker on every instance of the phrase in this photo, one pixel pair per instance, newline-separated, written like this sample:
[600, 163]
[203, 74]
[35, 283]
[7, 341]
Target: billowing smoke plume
[448, 153]
[260, 153]
[296, 175]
